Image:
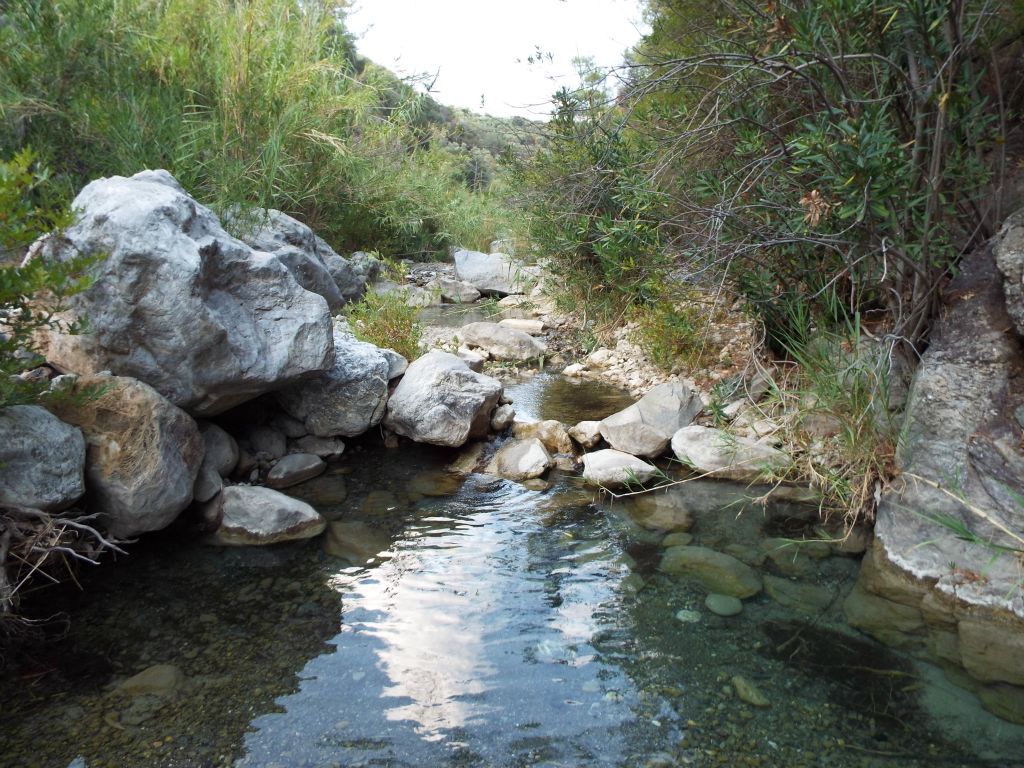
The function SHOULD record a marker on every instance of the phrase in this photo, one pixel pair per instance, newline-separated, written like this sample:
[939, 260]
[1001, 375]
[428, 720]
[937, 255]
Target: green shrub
[673, 331]
[32, 294]
[262, 103]
[386, 320]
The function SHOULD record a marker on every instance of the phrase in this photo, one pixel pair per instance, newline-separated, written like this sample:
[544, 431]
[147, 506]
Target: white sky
[476, 44]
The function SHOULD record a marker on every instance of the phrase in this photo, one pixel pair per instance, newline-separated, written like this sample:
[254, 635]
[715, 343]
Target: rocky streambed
[348, 558]
[460, 619]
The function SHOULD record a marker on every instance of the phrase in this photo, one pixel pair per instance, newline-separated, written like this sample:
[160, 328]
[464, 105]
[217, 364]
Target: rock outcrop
[645, 428]
[955, 598]
[347, 399]
[442, 402]
[1009, 255]
[42, 459]
[142, 453]
[179, 304]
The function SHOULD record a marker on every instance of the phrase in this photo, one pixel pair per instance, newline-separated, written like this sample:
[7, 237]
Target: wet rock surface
[521, 460]
[252, 515]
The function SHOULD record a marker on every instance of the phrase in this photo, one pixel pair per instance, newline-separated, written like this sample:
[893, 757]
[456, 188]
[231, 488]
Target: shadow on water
[240, 624]
[863, 676]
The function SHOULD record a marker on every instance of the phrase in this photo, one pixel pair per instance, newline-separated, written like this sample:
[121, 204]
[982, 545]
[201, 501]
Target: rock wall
[942, 579]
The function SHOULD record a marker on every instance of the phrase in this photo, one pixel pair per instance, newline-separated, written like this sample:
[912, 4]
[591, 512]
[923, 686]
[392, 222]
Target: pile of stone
[192, 328]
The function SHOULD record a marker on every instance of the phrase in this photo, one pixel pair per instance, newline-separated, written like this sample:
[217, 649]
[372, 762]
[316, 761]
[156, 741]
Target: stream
[471, 621]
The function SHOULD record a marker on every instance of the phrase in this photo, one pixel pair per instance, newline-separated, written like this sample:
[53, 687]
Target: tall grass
[262, 103]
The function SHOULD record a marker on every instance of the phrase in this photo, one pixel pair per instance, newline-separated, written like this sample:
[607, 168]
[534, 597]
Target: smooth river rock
[442, 402]
[613, 469]
[221, 449]
[179, 304]
[645, 428]
[42, 459]
[502, 343]
[295, 468]
[662, 510]
[718, 453]
[143, 454]
[723, 605]
[252, 515]
[521, 460]
[717, 571]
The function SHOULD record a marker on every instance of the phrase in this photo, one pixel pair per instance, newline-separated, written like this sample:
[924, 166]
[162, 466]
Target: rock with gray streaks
[179, 304]
[442, 402]
[42, 459]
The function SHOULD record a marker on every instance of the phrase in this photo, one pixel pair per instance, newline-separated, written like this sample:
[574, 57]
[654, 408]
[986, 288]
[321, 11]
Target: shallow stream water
[475, 622]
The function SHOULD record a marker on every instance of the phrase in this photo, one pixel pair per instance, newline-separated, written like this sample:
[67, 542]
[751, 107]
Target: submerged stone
[723, 605]
[750, 693]
[718, 572]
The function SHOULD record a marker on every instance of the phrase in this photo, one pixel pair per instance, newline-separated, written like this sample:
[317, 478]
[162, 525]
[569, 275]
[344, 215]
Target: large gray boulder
[310, 259]
[42, 459]
[311, 274]
[646, 427]
[457, 291]
[347, 399]
[178, 303]
[246, 515]
[492, 273]
[502, 343]
[718, 453]
[442, 402]
[142, 453]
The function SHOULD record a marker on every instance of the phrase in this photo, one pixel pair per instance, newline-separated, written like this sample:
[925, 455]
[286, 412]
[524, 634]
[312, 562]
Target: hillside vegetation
[263, 103]
[822, 165]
